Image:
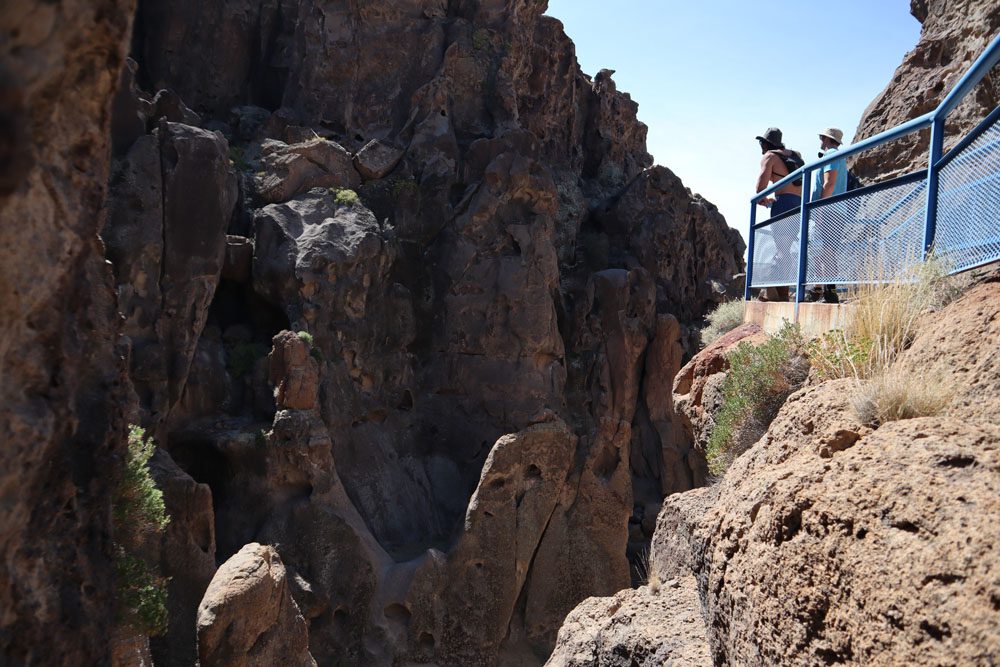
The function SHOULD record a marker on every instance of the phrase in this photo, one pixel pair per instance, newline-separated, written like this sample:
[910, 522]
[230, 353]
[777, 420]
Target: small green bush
[241, 357]
[314, 351]
[139, 516]
[726, 317]
[836, 355]
[757, 382]
[345, 196]
[237, 157]
[481, 39]
[401, 185]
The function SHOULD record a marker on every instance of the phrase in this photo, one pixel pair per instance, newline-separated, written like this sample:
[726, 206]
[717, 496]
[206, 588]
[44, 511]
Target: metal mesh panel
[873, 235]
[968, 215]
[776, 251]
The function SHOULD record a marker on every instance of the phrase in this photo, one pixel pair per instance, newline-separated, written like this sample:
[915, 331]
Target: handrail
[979, 69]
[934, 119]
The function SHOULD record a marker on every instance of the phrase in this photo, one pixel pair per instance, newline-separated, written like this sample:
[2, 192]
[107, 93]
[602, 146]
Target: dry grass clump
[894, 395]
[883, 325]
[884, 320]
[726, 317]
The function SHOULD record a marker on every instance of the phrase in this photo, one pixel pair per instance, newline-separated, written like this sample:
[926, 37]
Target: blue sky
[711, 75]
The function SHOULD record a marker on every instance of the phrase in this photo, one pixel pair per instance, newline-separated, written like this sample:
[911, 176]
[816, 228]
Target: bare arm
[766, 168]
[829, 181]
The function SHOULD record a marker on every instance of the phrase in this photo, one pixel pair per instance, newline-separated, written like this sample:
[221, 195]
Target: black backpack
[792, 162]
[853, 182]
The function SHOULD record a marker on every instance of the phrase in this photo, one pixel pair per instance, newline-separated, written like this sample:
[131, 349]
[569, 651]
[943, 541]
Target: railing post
[800, 283]
[937, 144]
[750, 239]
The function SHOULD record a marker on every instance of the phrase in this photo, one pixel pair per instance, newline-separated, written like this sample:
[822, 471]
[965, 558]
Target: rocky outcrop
[171, 199]
[954, 34]
[827, 541]
[62, 384]
[187, 557]
[291, 170]
[656, 625]
[248, 616]
[460, 235]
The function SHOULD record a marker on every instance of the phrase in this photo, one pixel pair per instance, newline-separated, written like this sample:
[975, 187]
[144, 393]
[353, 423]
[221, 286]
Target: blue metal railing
[966, 212]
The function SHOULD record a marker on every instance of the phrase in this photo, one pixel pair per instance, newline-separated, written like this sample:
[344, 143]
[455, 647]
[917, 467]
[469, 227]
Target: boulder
[656, 625]
[292, 170]
[248, 616]
[377, 159]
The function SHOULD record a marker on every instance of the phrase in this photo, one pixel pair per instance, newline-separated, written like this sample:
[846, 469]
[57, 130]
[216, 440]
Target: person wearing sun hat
[828, 181]
[777, 163]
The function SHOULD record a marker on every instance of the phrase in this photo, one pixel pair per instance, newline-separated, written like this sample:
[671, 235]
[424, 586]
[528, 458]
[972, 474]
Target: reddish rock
[248, 616]
[293, 372]
[63, 397]
[954, 34]
[292, 170]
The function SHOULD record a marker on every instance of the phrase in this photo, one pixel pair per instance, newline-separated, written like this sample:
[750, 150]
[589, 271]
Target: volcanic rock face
[62, 381]
[954, 34]
[455, 233]
[828, 541]
[473, 290]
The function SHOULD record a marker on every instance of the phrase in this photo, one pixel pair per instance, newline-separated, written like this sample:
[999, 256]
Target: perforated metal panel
[776, 251]
[870, 235]
[968, 214]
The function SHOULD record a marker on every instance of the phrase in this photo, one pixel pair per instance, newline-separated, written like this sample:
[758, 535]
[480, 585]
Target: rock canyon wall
[396, 289]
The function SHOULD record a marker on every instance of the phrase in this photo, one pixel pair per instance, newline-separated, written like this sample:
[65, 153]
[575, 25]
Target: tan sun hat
[834, 134]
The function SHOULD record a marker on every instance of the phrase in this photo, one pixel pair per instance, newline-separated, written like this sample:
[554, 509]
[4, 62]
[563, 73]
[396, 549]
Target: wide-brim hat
[834, 134]
[772, 136]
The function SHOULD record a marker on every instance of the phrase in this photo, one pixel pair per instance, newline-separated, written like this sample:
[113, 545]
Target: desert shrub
[894, 394]
[237, 158]
[314, 351]
[726, 317]
[139, 516]
[758, 381]
[481, 39]
[884, 321]
[345, 196]
[242, 356]
[836, 355]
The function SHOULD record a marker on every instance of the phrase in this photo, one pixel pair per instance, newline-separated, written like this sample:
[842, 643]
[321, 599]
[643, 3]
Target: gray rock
[377, 159]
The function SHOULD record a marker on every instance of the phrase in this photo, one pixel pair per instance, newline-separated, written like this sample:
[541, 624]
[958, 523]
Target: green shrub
[726, 317]
[345, 196]
[757, 382]
[836, 355]
[242, 356]
[314, 351]
[237, 158]
[139, 516]
[481, 39]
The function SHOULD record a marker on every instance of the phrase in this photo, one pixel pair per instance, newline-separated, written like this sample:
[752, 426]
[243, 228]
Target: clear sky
[710, 75]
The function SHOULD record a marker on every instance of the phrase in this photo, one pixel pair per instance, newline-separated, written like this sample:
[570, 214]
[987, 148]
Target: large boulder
[292, 170]
[657, 625]
[248, 616]
[953, 35]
